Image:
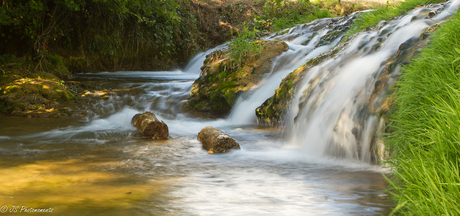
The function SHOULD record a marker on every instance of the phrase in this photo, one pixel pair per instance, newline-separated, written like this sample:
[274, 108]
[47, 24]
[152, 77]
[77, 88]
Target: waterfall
[305, 42]
[332, 111]
[194, 65]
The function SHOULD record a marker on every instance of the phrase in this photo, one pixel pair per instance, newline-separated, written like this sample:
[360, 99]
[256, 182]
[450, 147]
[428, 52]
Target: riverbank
[425, 129]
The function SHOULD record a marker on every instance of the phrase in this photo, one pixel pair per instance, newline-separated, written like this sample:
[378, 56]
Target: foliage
[385, 13]
[6, 58]
[280, 14]
[276, 15]
[109, 30]
[424, 145]
[244, 45]
[289, 21]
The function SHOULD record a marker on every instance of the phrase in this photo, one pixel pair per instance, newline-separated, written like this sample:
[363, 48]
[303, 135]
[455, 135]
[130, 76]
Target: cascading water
[161, 91]
[305, 42]
[328, 115]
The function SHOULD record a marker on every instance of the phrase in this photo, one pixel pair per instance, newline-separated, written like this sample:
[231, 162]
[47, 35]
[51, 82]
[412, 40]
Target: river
[99, 167]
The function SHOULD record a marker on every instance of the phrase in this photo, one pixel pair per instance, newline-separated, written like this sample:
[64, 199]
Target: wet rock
[222, 80]
[215, 141]
[274, 109]
[408, 43]
[355, 132]
[149, 126]
[337, 30]
[431, 14]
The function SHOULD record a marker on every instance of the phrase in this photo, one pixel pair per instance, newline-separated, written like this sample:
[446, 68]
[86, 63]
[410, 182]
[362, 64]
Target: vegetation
[136, 34]
[223, 78]
[244, 45]
[424, 145]
[55, 38]
[385, 13]
[277, 15]
[105, 34]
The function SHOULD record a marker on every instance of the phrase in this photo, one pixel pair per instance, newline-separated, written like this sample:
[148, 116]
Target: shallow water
[99, 166]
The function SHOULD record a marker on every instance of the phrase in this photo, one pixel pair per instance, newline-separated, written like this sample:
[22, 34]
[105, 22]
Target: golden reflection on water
[73, 184]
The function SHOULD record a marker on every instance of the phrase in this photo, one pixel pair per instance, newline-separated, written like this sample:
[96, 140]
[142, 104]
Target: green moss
[10, 89]
[230, 98]
[21, 95]
[224, 86]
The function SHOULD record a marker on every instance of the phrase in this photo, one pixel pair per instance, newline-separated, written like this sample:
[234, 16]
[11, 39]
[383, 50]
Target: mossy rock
[221, 80]
[21, 96]
[274, 109]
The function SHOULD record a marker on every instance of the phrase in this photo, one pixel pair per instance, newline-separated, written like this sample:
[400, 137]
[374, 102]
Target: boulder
[149, 126]
[216, 141]
[222, 80]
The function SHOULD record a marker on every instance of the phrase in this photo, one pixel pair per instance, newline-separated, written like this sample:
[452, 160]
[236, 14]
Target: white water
[324, 125]
[295, 57]
[243, 112]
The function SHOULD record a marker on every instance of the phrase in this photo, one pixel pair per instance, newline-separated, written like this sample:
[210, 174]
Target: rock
[221, 80]
[216, 141]
[149, 126]
[23, 96]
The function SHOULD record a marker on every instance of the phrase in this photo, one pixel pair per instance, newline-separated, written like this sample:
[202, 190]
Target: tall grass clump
[385, 13]
[425, 143]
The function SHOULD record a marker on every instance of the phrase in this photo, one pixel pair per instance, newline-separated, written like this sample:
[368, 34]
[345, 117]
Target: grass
[295, 18]
[276, 15]
[385, 13]
[425, 142]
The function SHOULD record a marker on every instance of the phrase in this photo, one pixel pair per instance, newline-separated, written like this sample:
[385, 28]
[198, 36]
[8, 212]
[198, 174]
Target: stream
[100, 167]
[98, 164]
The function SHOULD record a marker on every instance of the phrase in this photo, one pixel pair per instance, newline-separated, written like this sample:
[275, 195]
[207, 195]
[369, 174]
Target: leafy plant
[244, 44]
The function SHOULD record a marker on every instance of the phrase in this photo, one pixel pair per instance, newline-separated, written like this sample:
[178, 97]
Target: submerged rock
[149, 126]
[215, 141]
[221, 80]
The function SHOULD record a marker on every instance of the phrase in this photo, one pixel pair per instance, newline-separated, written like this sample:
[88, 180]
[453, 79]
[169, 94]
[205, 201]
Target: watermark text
[24, 209]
